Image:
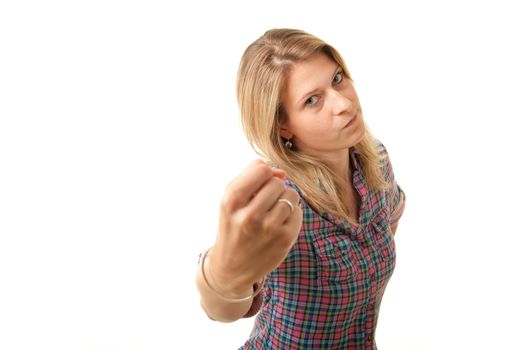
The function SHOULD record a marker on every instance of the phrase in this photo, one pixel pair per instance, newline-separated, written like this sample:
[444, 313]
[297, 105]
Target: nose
[340, 103]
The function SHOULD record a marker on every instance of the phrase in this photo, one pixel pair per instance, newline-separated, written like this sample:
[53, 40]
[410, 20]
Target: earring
[288, 144]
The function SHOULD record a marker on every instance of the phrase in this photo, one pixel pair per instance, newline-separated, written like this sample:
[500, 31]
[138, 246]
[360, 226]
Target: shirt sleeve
[256, 303]
[398, 203]
[396, 194]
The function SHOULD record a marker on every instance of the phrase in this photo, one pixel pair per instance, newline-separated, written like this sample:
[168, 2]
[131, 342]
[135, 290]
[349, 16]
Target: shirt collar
[355, 158]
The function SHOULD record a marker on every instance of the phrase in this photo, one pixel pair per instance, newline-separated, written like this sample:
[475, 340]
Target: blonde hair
[260, 81]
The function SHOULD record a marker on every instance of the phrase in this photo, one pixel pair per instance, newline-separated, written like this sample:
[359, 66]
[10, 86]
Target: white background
[119, 130]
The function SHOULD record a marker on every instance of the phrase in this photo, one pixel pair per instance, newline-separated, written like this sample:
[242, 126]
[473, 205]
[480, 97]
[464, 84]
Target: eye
[338, 78]
[311, 101]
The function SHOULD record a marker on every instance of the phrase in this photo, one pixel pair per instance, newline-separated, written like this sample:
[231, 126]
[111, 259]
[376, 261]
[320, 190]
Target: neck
[340, 165]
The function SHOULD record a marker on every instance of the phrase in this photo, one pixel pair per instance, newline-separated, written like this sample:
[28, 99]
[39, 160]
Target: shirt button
[369, 338]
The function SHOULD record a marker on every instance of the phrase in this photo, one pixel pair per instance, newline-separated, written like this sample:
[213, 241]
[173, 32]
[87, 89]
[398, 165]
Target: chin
[359, 134]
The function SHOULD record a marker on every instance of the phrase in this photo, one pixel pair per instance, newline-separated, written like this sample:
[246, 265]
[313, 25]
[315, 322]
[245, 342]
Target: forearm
[218, 308]
[393, 227]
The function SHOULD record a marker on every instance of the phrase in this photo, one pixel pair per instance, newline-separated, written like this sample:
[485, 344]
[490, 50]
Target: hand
[256, 230]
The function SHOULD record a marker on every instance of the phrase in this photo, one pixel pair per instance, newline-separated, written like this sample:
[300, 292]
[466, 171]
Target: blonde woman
[306, 237]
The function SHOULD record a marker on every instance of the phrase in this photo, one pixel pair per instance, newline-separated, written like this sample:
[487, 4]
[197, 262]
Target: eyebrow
[299, 101]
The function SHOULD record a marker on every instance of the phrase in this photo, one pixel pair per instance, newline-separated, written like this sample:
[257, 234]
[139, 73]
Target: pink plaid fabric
[327, 292]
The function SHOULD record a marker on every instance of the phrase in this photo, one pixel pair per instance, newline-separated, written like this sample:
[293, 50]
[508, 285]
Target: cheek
[317, 127]
[361, 119]
[306, 124]
[312, 125]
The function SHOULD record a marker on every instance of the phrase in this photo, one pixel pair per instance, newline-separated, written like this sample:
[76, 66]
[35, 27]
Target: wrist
[226, 289]
[224, 285]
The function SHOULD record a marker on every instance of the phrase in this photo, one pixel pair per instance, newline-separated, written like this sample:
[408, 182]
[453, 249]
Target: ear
[285, 132]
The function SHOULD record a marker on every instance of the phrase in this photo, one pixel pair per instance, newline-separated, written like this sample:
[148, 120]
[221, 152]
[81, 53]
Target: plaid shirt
[327, 292]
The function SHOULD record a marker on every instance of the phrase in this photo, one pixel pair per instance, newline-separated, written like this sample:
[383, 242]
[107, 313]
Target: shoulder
[380, 147]
[384, 160]
[382, 152]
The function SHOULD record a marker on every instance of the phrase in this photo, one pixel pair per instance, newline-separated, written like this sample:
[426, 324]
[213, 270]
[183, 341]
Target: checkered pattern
[327, 292]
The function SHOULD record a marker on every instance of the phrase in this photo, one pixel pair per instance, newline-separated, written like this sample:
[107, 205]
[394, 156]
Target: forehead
[314, 73]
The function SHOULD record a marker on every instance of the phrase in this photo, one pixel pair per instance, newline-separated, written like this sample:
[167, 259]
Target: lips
[350, 121]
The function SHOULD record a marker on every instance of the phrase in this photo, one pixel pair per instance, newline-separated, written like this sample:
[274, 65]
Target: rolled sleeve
[398, 203]
[256, 303]
[396, 194]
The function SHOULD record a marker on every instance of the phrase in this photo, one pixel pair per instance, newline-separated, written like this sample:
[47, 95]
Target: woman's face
[324, 116]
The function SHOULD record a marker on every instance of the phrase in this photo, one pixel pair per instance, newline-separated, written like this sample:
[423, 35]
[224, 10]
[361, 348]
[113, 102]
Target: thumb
[278, 173]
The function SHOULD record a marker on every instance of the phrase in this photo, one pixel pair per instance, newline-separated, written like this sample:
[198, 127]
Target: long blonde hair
[260, 81]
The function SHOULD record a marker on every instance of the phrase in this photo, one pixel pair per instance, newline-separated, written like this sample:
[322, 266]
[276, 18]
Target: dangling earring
[288, 144]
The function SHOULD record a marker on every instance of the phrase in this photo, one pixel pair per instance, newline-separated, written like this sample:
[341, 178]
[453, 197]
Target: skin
[256, 232]
[324, 118]
[320, 101]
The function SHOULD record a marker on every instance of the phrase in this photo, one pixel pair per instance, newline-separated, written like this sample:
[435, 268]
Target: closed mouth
[350, 121]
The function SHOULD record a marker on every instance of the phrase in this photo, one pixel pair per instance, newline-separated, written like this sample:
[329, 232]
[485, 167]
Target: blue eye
[338, 78]
[311, 101]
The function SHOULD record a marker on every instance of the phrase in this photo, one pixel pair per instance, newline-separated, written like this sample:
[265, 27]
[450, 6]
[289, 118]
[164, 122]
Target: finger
[265, 199]
[290, 229]
[296, 218]
[281, 210]
[279, 173]
[293, 224]
[247, 184]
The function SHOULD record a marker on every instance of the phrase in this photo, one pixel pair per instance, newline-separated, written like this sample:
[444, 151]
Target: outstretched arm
[259, 223]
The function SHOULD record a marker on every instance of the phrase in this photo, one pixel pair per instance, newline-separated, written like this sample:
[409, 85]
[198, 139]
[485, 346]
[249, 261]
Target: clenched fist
[256, 228]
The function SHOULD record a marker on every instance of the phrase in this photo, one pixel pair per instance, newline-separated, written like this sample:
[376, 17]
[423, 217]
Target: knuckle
[230, 200]
[294, 196]
[277, 183]
[239, 223]
[263, 170]
[251, 219]
[267, 226]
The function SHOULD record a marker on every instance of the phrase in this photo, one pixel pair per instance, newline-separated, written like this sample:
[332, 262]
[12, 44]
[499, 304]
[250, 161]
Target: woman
[306, 243]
